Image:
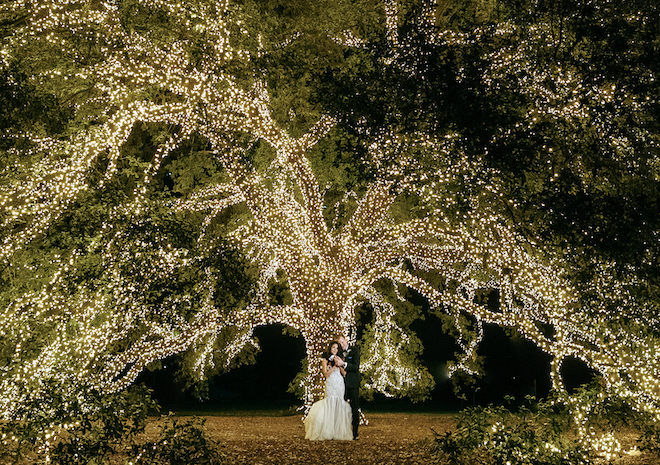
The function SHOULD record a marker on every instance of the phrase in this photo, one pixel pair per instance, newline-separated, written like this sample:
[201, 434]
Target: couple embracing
[332, 417]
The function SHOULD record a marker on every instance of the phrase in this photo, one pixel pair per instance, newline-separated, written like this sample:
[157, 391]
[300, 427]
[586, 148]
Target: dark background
[512, 366]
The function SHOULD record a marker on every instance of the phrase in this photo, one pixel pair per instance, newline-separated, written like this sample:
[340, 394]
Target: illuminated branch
[370, 215]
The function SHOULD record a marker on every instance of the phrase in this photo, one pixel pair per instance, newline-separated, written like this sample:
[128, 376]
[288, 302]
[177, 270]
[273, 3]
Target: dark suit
[352, 381]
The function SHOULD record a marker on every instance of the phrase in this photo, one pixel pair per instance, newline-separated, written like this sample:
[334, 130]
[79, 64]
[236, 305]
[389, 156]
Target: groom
[351, 363]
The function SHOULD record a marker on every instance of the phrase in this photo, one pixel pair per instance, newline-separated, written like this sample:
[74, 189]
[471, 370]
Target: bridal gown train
[330, 418]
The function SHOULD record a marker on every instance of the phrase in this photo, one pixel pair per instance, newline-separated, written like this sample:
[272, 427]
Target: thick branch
[371, 213]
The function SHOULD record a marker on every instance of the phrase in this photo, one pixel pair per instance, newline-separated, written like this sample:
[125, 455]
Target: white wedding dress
[330, 418]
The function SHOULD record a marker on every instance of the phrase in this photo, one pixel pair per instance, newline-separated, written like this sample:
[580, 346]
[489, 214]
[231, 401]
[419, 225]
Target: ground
[389, 438]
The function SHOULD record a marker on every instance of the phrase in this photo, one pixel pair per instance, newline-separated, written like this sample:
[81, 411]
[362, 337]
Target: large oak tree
[196, 156]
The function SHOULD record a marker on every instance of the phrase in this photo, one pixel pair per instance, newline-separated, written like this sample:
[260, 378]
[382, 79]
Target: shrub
[105, 430]
[650, 438]
[96, 425]
[101, 429]
[179, 443]
[533, 435]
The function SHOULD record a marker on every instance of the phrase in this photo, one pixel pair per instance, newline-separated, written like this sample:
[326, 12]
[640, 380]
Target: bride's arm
[325, 368]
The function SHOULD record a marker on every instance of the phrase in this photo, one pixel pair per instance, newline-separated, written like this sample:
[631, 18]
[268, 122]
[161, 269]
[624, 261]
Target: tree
[186, 145]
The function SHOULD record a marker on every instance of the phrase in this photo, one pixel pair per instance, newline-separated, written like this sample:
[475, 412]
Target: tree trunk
[317, 339]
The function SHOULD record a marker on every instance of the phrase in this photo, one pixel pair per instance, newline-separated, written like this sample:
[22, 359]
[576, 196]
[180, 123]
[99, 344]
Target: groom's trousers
[353, 396]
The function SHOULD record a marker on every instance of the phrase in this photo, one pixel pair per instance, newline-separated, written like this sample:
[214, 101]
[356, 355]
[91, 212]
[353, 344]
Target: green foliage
[543, 432]
[26, 107]
[535, 434]
[294, 72]
[585, 187]
[80, 230]
[296, 386]
[195, 382]
[582, 186]
[587, 183]
[406, 375]
[115, 421]
[179, 442]
[614, 415]
[99, 426]
[465, 386]
[650, 438]
[105, 428]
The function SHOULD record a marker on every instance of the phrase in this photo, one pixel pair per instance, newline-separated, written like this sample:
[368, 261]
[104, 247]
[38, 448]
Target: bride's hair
[329, 352]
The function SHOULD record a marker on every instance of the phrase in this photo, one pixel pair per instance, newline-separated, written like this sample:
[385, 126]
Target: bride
[330, 418]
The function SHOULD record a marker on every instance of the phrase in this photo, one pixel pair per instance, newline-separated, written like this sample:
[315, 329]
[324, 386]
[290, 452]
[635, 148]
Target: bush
[650, 438]
[101, 429]
[106, 430]
[179, 443]
[97, 426]
[533, 435]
